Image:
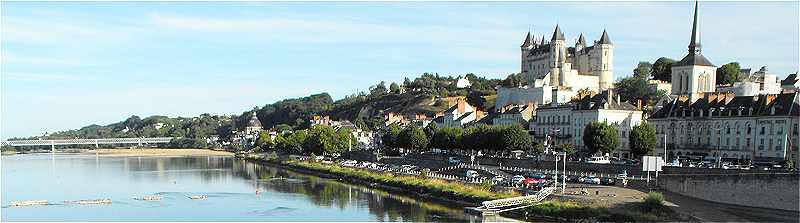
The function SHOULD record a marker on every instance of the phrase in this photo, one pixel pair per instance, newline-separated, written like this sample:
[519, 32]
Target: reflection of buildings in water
[330, 193]
[209, 169]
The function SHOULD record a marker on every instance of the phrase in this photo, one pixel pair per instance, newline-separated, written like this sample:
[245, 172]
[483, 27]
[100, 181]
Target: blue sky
[65, 65]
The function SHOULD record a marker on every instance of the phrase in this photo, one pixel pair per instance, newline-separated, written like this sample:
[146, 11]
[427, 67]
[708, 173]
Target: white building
[762, 128]
[463, 82]
[458, 115]
[757, 83]
[554, 72]
[565, 123]
[515, 115]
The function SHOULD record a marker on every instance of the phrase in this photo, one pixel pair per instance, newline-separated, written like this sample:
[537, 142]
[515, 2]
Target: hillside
[427, 94]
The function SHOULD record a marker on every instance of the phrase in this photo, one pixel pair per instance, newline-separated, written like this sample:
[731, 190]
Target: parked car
[498, 180]
[516, 179]
[453, 160]
[573, 178]
[623, 174]
[590, 180]
[607, 181]
[472, 173]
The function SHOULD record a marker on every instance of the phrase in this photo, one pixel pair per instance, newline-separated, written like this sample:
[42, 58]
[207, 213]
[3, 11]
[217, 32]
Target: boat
[198, 197]
[28, 203]
[149, 198]
[598, 160]
[95, 201]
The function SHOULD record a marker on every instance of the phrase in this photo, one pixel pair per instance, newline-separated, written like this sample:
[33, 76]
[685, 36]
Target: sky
[65, 65]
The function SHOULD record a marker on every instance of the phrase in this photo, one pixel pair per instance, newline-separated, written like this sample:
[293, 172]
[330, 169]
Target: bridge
[96, 142]
[507, 204]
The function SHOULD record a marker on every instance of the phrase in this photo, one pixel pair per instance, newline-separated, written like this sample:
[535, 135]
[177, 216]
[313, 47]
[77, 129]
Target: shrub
[654, 200]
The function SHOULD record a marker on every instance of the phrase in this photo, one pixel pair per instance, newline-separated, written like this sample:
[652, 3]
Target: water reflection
[230, 185]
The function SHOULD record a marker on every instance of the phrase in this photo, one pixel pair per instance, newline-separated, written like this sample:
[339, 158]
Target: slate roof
[790, 80]
[557, 34]
[604, 38]
[599, 101]
[762, 105]
[694, 59]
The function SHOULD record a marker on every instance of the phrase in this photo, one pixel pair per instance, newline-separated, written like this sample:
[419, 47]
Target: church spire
[694, 44]
[581, 40]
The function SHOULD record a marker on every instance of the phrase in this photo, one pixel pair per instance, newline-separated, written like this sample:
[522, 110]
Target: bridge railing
[50, 142]
[516, 201]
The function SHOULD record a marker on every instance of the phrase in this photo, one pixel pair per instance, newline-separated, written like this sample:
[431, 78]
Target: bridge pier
[53, 148]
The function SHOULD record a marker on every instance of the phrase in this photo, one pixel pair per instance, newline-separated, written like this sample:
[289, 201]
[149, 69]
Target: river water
[230, 185]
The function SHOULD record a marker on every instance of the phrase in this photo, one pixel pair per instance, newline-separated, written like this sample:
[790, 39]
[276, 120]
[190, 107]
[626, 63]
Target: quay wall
[765, 190]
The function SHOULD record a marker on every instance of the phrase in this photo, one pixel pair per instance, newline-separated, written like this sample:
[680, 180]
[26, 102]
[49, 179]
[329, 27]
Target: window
[747, 142]
[763, 129]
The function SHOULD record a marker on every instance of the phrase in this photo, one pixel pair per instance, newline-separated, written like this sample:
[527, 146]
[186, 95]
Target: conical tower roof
[695, 57]
[604, 38]
[581, 40]
[557, 34]
[527, 41]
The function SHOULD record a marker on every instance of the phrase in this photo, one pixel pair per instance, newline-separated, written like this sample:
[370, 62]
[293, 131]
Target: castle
[581, 66]
[554, 72]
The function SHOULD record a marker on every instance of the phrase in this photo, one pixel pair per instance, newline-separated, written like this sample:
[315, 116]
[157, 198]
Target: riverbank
[464, 195]
[156, 152]
[433, 189]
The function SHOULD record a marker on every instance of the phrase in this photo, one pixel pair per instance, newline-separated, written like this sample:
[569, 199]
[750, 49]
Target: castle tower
[525, 48]
[580, 44]
[556, 49]
[694, 74]
[606, 66]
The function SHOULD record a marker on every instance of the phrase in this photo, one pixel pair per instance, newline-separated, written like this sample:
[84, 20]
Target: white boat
[598, 160]
[198, 197]
[28, 203]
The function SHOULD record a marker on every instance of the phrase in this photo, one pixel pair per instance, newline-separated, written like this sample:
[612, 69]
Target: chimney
[639, 104]
[461, 106]
[609, 95]
[618, 99]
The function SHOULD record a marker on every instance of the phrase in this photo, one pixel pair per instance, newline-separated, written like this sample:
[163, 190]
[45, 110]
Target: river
[229, 184]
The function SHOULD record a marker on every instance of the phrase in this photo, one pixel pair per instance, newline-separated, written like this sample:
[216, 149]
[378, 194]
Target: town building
[459, 115]
[753, 84]
[463, 82]
[515, 115]
[699, 123]
[760, 128]
[565, 123]
[253, 125]
[555, 72]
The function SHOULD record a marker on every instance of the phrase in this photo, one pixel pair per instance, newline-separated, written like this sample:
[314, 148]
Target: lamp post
[719, 143]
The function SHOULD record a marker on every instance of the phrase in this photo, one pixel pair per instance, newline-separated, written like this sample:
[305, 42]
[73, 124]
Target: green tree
[264, 140]
[394, 88]
[662, 69]
[324, 139]
[512, 81]
[568, 148]
[600, 137]
[515, 138]
[729, 73]
[538, 148]
[413, 138]
[642, 139]
[643, 69]
[292, 142]
[391, 136]
[634, 88]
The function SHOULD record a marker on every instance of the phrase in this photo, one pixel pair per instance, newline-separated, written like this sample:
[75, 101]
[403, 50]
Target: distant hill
[427, 94]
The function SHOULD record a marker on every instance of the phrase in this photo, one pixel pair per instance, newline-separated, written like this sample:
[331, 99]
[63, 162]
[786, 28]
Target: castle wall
[521, 96]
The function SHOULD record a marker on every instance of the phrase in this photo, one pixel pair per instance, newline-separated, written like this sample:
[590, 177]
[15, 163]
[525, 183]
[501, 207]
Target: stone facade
[722, 125]
[569, 120]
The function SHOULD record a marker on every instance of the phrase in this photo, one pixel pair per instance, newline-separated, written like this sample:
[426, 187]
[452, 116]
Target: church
[554, 72]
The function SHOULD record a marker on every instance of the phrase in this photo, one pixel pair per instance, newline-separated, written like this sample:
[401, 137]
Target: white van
[472, 173]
